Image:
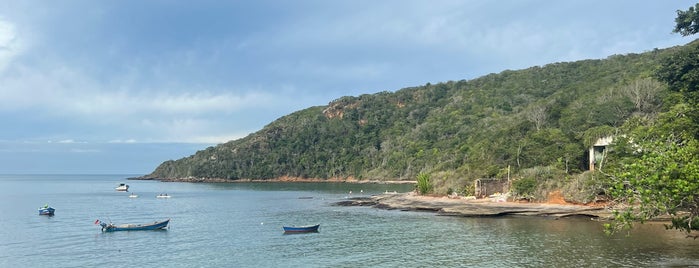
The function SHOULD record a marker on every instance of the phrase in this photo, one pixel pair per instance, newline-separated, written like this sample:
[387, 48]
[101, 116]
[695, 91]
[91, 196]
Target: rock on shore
[476, 208]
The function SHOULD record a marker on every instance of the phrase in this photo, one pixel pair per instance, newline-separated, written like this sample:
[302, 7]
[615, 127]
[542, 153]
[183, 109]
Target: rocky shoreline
[476, 207]
[278, 179]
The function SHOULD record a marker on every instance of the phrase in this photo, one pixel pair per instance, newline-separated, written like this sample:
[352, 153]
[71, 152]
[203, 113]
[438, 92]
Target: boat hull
[301, 229]
[135, 227]
[122, 188]
[49, 211]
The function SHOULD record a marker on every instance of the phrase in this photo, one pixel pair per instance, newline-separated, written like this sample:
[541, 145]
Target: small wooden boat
[122, 187]
[109, 227]
[301, 229]
[46, 210]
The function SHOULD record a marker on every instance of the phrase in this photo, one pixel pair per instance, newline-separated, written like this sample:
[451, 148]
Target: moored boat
[162, 196]
[46, 210]
[122, 187]
[109, 227]
[132, 195]
[301, 229]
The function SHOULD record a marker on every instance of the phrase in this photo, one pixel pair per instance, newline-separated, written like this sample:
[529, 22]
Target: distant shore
[278, 179]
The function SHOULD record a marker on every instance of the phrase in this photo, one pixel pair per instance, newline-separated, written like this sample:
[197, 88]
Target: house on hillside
[598, 152]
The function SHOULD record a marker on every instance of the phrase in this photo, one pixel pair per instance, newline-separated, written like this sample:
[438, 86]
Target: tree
[664, 180]
[659, 173]
[537, 115]
[644, 95]
[681, 70]
[687, 22]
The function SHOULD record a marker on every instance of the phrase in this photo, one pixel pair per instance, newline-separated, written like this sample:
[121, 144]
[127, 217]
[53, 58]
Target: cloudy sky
[120, 86]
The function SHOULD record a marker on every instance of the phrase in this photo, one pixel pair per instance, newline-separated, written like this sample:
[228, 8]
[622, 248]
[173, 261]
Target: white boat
[132, 195]
[163, 196]
[122, 187]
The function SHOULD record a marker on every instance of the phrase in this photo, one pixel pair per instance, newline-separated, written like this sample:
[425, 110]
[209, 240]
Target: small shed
[597, 152]
[486, 187]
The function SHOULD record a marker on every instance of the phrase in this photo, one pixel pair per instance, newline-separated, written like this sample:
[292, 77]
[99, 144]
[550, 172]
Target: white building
[597, 152]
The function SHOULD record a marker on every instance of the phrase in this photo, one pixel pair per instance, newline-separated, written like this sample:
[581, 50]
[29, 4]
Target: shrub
[423, 183]
[524, 188]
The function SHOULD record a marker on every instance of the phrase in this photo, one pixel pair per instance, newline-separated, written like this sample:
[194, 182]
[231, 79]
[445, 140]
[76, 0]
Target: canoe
[108, 227]
[301, 229]
[46, 211]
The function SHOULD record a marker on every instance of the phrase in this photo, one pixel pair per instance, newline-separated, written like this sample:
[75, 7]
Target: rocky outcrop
[476, 208]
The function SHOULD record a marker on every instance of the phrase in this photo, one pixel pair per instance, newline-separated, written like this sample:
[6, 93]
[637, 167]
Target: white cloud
[76, 150]
[10, 45]
[331, 49]
[128, 141]
[112, 111]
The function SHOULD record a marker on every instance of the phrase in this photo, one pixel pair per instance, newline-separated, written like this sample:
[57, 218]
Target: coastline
[278, 179]
[445, 206]
[555, 207]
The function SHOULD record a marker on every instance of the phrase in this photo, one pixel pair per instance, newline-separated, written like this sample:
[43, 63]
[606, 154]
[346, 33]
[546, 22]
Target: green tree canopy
[664, 180]
[687, 21]
[657, 172]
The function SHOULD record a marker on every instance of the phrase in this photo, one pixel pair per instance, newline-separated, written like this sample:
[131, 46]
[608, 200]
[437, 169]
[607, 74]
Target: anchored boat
[46, 210]
[109, 227]
[122, 187]
[301, 229]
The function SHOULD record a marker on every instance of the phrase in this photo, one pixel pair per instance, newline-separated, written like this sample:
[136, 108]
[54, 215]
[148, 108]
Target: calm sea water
[239, 225]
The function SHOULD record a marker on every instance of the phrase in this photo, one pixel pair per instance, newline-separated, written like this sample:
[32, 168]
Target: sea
[240, 225]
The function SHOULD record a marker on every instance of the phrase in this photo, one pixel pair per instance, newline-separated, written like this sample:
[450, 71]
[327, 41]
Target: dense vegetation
[535, 123]
[655, 171]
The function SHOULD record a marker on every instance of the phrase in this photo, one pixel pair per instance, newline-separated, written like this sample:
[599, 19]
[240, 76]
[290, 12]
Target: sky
[119, 86]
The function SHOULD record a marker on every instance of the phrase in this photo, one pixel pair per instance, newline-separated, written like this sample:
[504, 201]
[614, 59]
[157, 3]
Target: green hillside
[539, 120]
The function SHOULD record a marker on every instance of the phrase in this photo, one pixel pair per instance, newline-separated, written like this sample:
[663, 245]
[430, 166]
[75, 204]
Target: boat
[109, 227]
[132, 195]
[301, 229]
[122, 187]
[46, 210]
[162, 196]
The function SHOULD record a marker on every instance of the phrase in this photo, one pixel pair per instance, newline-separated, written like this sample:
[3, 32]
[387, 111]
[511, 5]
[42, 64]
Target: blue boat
[109, 227]
[301, 229]
[46, 210]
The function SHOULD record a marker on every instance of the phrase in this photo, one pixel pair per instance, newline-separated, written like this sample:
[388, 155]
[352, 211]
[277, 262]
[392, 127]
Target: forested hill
[543, 116]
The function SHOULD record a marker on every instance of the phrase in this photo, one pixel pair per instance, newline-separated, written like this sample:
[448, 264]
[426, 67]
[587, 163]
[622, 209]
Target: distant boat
[46, 210]
[108, 227]
[122, 187]
[162, 196]
[132, 195]
[301, 229]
